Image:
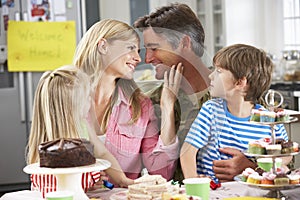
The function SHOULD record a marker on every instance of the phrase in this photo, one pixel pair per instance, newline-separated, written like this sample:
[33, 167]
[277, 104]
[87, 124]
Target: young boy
[242, 74]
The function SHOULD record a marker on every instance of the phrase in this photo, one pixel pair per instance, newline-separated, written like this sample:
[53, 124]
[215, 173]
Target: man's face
[159, 53]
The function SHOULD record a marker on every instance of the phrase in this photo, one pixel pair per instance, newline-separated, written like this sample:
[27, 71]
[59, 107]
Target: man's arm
[226, 170]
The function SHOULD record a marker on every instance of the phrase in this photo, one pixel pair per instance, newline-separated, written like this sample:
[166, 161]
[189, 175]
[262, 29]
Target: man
[173, 34]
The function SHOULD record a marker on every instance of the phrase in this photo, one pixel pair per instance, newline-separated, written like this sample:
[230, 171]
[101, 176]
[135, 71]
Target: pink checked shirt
[138, 145]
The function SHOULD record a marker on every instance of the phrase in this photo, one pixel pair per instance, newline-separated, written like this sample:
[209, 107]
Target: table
[229, 189]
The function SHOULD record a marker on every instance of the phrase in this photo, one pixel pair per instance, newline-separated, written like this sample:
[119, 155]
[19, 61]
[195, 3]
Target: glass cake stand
[69, 178]
[274, 190]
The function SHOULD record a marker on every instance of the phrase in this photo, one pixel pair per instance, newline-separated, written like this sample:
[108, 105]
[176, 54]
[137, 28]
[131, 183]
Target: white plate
[36, 169]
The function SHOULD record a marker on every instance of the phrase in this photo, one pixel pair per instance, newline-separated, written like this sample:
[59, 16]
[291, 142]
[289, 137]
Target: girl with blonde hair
[109, 52]
[61, 109]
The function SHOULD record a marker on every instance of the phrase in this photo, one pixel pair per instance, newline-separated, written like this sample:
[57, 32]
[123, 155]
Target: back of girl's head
[57, 110]
[87, 56]
[245, 61]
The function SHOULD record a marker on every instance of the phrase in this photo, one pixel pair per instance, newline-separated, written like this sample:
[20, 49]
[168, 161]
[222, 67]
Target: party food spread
[64, 153]
[260, 115]
[264, 146]
[252, 176]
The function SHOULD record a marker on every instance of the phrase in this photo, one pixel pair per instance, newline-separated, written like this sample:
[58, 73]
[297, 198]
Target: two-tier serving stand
[274, 190]
[69, 179]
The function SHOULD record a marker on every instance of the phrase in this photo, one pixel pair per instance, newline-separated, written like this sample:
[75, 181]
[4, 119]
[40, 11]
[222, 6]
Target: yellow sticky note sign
[40, 46]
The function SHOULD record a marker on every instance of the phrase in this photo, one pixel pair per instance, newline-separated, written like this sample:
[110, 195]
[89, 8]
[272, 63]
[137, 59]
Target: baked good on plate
[64, 153]
[246, 173]
[254, 178]
[257, 147]
[268, 178]
[264, 146]
[281, 179]
[273, 149]
[263, 115]
[151, 187]
[287, 147]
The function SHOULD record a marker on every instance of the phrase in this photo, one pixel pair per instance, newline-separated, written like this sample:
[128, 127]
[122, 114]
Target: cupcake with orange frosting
[268, 178]
[294, 178]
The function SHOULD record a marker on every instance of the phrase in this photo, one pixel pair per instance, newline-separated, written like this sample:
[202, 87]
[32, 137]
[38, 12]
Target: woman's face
[121, 59]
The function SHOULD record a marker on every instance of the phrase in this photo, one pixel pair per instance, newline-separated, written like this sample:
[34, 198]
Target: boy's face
[159, 53]
[222, 83]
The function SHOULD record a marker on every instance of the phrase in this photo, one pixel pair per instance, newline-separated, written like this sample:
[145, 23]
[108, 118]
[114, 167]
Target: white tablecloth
[230, 189]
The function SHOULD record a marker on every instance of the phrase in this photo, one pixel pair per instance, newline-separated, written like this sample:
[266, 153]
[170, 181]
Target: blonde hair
[58, 107]
[88, 59]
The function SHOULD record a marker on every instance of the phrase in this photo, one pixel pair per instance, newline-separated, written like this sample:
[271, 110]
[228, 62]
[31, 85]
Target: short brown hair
[250, 62]
[173, 19]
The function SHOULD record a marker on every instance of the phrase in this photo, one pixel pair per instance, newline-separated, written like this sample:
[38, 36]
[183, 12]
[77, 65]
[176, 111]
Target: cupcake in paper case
[257, 147]
[246, 173]
[296, 147]
[255, 115]
[281, 115]
[294, 178]
[268, 178]
[267, 116]
[254, 178]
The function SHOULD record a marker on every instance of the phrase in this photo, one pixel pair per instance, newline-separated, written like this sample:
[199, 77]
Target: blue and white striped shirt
[215, 127]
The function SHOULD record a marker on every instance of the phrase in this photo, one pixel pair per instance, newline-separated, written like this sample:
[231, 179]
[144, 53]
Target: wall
[115, 9]
[255, 22]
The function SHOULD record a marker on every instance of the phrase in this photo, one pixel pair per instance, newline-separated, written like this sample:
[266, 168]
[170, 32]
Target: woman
[109, 53]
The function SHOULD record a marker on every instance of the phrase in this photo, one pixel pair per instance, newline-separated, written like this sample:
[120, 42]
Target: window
[291, 22]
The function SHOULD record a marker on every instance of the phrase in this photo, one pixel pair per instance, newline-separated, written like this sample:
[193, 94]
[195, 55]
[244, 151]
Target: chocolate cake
[64, 153]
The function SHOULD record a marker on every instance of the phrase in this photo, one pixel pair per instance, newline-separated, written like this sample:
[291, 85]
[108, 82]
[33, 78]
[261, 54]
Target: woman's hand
[167, 102]
[171, 86]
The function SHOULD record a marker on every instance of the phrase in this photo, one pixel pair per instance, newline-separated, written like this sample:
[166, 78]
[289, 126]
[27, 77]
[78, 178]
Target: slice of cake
[287, 147]
[64, 153]
[281, 179]
[273, 149]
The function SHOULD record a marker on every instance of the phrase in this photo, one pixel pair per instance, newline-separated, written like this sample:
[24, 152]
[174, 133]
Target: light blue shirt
[215, 127]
